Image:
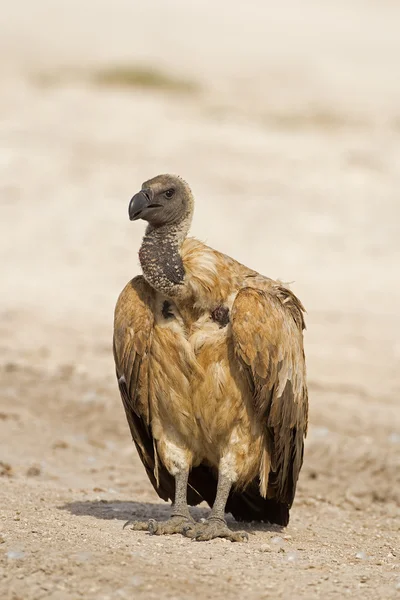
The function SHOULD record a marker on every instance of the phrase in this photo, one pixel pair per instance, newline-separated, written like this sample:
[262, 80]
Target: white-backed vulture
[210, 365]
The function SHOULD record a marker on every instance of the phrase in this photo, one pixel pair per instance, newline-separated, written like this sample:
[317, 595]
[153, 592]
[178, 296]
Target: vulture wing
[267, 324]
[133, 329]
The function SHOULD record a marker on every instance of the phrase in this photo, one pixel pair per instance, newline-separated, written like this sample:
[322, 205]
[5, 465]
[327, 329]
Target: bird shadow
[143, 511]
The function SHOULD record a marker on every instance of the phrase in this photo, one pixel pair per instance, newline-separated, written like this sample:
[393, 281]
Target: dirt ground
[286, 122]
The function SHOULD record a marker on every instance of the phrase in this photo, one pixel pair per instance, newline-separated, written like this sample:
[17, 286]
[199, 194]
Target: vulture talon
[212, 529]
[189, 530]
[136, 525]
[152, 526]
[175, 524]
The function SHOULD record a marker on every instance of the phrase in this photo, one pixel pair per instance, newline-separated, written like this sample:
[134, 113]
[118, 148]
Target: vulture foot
[175, 524]
[214, 528]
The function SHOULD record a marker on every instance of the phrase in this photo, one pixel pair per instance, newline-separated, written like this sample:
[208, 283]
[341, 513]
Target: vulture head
[163, 200]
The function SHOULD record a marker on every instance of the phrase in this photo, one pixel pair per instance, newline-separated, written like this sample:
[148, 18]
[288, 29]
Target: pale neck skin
[160, 257]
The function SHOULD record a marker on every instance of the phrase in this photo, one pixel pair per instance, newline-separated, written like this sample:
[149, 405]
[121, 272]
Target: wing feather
[133, 331]
[267, 324]
[133, 326]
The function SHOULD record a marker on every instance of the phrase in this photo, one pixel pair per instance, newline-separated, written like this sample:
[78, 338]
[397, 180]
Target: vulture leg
[215, 525]
[180, 516]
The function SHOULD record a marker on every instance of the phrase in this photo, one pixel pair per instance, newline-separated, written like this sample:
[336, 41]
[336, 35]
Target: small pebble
[319, 432]
[5, 469]
[60, 444]
[83, 556]
[265, 548]
[15, 554]
[90, 397]
[291, 557]
[33, 471]
[361, 556]
[277, 540]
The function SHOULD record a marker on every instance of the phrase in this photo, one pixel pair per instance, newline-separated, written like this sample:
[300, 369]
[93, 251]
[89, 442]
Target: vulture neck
[160, 257]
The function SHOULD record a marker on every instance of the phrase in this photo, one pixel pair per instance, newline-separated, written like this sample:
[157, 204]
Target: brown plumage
[210, 364]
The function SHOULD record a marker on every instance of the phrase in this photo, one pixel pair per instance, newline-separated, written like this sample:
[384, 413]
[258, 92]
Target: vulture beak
[139, 203]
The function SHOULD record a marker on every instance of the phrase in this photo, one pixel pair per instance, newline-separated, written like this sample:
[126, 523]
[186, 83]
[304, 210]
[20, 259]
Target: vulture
[211, 370]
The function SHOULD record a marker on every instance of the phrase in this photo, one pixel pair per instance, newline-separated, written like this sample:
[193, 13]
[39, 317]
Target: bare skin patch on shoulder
[220, 315]
[166, 310]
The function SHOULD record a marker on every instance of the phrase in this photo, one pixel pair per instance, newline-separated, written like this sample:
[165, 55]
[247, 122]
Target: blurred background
[285, 120]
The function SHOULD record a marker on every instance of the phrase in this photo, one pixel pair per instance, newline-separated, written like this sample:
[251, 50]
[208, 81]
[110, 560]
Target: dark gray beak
[139, 202]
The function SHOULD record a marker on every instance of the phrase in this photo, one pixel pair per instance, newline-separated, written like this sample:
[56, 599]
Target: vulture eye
[169, 193]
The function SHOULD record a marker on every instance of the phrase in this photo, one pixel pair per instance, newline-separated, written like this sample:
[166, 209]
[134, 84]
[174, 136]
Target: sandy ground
[290, 138]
